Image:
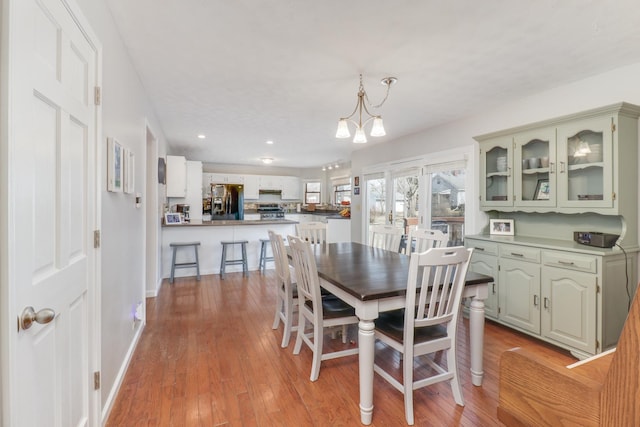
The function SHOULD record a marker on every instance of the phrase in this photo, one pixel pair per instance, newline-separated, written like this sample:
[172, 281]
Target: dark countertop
[197, 222]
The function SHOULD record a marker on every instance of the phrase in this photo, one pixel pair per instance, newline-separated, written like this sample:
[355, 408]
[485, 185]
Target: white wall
[597, 91]
[125, 114]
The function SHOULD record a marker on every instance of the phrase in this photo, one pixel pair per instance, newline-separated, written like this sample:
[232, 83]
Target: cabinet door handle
[479, 248]
[552, 167]
[546, 302]
[565, 262]
[494, 288]
[517, 254]
[508, 171]
[535, 300]
[561, 167]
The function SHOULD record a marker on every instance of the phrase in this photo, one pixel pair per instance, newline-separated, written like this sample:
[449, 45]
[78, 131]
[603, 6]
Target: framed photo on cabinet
[129, 171]
[114, 165]
[542, 190]
[501, 227]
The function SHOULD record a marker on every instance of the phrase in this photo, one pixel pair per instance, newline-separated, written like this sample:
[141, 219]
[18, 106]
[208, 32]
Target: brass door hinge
[613, 127]
[613, 195]
[597, 345]
[96, 380]
[97, 95]
[96, 239]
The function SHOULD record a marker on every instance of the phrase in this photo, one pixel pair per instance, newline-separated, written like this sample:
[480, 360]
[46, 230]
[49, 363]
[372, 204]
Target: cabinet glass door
[585, 173]
[534, 168]
[496, 167]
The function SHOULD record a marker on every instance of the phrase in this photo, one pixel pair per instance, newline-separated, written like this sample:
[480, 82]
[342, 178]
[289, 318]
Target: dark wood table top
[370, 273]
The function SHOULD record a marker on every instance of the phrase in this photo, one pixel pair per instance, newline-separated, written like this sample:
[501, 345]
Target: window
[341, 193]
[312, 192]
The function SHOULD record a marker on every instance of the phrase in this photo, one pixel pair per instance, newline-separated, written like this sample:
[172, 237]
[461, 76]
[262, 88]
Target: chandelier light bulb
[360, 137]
[378, 128]
[343, 129]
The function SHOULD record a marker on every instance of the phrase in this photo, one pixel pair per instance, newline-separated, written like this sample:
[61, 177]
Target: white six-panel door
[52, 213]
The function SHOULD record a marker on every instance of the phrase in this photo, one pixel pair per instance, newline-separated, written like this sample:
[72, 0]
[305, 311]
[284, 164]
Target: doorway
[152, 216]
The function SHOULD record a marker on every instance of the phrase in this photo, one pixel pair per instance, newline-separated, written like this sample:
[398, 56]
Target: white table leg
[476, 336]
[366, 344]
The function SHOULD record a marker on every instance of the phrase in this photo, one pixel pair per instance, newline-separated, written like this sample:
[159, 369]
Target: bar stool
[224, 262]
[262, 266]
[191, 264]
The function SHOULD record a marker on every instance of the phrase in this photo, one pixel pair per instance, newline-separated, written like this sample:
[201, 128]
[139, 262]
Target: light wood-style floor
[208, 357]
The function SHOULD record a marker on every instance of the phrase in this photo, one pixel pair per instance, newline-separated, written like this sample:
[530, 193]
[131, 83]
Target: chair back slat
[386, 237]
[441, 273]
[422, 239]
[314, 232]
[280, 258]
[306, 272]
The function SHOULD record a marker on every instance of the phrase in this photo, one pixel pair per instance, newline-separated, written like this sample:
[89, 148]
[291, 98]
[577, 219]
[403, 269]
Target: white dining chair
[386, 237]
[286, 294]
[432, 325]
[314, 232]
[421, 239]
[320, 312]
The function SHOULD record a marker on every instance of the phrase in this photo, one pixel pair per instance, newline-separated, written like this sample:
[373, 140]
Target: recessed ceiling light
[267, 160]
[269, 142]
[201, 136]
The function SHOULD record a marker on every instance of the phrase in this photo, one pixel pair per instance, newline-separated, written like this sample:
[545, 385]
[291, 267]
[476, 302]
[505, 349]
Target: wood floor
[208, 357]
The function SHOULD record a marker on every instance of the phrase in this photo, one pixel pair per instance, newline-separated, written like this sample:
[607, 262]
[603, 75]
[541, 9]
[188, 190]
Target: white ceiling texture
[246, 71]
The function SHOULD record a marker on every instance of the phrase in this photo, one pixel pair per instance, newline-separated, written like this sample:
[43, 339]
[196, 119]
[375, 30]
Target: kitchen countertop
[219, 223]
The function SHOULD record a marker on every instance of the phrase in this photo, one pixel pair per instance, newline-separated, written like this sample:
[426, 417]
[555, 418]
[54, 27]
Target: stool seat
[238, 261]
[175, 246]
[262, 265]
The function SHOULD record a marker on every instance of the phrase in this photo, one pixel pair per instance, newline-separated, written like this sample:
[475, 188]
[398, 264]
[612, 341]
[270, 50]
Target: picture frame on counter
[172, 218]
[114, 165]
[501, 227]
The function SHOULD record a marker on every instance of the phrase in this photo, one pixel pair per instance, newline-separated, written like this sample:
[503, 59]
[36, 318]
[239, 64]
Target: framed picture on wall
[356, 181]
[114, 165]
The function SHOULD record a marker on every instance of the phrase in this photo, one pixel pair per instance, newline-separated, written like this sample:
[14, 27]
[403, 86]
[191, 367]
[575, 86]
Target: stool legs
[224, 261]
[196, 263]
[173, 264]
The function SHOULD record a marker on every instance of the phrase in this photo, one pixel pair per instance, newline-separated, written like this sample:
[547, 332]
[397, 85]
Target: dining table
[374, 280]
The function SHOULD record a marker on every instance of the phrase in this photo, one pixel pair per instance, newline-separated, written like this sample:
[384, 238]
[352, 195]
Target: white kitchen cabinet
[176, 176]
[193, 196]
[291, 188]
[270, 182]
[567, 294]
[251, 187]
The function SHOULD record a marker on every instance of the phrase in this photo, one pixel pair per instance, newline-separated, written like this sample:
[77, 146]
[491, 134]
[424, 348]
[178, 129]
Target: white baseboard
[108, 405]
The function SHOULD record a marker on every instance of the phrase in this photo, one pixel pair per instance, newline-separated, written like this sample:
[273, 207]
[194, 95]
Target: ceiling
[243, 72]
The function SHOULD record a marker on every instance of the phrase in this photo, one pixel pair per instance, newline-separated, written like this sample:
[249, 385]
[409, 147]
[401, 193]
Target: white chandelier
[377, 129]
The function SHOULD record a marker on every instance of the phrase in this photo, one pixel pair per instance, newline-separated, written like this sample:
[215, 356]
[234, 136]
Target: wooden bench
[603, 390]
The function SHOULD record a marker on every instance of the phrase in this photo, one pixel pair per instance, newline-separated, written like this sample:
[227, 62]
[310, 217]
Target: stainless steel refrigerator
[227, 202]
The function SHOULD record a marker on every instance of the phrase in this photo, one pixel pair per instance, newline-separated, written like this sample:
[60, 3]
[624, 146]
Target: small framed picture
[114, 165]
[542, 190]
[502, 227]
[356, 181]
[356, 191]
[172, 218]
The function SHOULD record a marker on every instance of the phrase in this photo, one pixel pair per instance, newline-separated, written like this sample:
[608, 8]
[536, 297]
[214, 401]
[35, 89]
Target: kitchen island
[210, 234]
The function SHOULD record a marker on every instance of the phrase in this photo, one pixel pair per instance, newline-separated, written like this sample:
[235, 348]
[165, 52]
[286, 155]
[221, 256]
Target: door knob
[29, 315]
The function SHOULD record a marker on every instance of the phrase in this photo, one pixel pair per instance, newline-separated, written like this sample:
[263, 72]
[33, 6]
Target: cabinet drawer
[572, 261]
[483, 247]
[522, 253]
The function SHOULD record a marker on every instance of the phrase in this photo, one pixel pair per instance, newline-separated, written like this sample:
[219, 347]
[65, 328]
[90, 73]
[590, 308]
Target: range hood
[269, 195]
